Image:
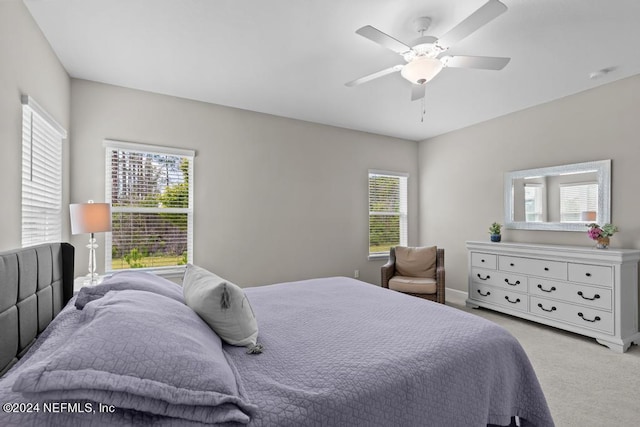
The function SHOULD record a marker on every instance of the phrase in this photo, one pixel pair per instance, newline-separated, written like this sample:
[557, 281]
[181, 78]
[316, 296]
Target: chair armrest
[440, 278]
[387, 272]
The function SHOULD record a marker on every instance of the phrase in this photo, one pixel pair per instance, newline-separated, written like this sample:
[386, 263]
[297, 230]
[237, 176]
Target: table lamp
[90, 218]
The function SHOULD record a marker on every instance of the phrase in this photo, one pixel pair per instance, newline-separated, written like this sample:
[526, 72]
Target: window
[578, 202]
[41, 175]
[151, 194]
[387, 211]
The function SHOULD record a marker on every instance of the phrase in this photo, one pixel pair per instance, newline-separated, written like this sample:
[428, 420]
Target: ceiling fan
[425, 58]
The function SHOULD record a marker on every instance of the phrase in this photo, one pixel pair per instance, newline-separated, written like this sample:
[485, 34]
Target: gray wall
[461, 173]
[27, 66]
[276, 199]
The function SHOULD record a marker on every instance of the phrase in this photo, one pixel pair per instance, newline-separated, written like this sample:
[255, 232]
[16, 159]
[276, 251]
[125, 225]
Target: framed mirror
[561, 198]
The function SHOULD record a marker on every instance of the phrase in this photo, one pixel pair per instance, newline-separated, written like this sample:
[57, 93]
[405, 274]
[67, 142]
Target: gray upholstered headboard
[35, 284]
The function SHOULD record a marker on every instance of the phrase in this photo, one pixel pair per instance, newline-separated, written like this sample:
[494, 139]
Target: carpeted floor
[585, 384]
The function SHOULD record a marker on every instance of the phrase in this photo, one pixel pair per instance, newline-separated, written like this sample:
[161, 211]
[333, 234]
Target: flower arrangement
[596, 232]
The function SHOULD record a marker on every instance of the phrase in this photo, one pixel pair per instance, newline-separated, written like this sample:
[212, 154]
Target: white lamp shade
[90, 217]
[422, 69]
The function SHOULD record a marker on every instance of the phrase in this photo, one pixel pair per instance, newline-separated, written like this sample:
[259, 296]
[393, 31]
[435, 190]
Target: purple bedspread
[342, 352]
[339, 352]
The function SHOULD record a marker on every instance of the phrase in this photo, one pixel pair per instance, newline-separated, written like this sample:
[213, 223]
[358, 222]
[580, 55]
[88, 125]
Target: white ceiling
[291, 58]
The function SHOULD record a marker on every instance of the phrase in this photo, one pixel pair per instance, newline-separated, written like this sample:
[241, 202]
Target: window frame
[42, 175]
[403, 214]
[116, 145]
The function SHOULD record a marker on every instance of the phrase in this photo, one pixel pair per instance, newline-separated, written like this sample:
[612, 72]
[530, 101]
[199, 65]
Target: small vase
[602, 243]
[496, 237]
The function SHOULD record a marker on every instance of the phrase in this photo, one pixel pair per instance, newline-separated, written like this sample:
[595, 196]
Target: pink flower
[594, 233]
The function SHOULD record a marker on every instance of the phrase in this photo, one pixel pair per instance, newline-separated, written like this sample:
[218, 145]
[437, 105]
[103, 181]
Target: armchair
[416, 271]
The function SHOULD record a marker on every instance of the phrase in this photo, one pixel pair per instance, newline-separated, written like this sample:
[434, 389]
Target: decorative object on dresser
[90, 218]
[494, 231]
[601, 234]
[579, 289]
[415, 271]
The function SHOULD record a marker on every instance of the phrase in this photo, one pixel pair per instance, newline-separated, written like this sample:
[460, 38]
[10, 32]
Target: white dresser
[593, 292]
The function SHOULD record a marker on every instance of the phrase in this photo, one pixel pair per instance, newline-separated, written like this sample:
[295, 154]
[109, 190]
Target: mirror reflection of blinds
[387, 211]
[151, 196]
[41, 175]
[576, 200]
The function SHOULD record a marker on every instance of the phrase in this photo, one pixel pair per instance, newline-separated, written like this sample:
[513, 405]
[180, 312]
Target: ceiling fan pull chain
[424, 110]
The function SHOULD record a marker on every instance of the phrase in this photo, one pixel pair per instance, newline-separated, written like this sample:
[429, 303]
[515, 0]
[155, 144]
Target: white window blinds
[387, 211]
[577, 201]
[151, 194]
[41, 175]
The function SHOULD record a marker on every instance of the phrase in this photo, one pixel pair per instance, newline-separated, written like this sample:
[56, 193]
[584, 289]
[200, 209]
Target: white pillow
[223, 305]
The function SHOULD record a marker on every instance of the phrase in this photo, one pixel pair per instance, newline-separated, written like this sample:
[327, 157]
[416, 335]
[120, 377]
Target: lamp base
[92, 277]
[83, 281]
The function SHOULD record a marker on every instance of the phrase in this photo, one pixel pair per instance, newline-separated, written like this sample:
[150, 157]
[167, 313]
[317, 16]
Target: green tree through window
[152, 210]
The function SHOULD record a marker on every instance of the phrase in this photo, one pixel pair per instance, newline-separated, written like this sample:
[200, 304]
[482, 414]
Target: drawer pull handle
[512, 284]
[481, 260]
[588, 274]
[512, 302]
[596, 296]
[484, 295]
[595, 319]
[483, 278]
[546, 269]
[511, 264]
[553, 288]
[553, 308]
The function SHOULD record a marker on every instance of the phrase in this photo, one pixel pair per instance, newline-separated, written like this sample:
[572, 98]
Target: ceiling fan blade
[375, 75]
[487, 13]
[417, 91]
[481, 62]
[383, 39]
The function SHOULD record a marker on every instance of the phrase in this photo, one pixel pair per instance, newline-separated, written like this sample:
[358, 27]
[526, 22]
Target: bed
[336, 352]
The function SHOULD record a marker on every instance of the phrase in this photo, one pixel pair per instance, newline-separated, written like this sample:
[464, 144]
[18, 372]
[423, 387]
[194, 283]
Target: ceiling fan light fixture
[421, 70]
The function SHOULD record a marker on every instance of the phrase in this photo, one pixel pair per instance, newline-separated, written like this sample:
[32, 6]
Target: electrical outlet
[356, 273]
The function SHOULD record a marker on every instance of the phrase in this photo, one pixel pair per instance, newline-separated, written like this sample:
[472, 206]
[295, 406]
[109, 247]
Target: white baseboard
[455, 296]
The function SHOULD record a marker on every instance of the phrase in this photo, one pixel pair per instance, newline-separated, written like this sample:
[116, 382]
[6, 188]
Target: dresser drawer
[497, 296]
[591, 274]
[584, 317]
[479, 259]
[536, 267]
[501, 279]
[571, 292]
